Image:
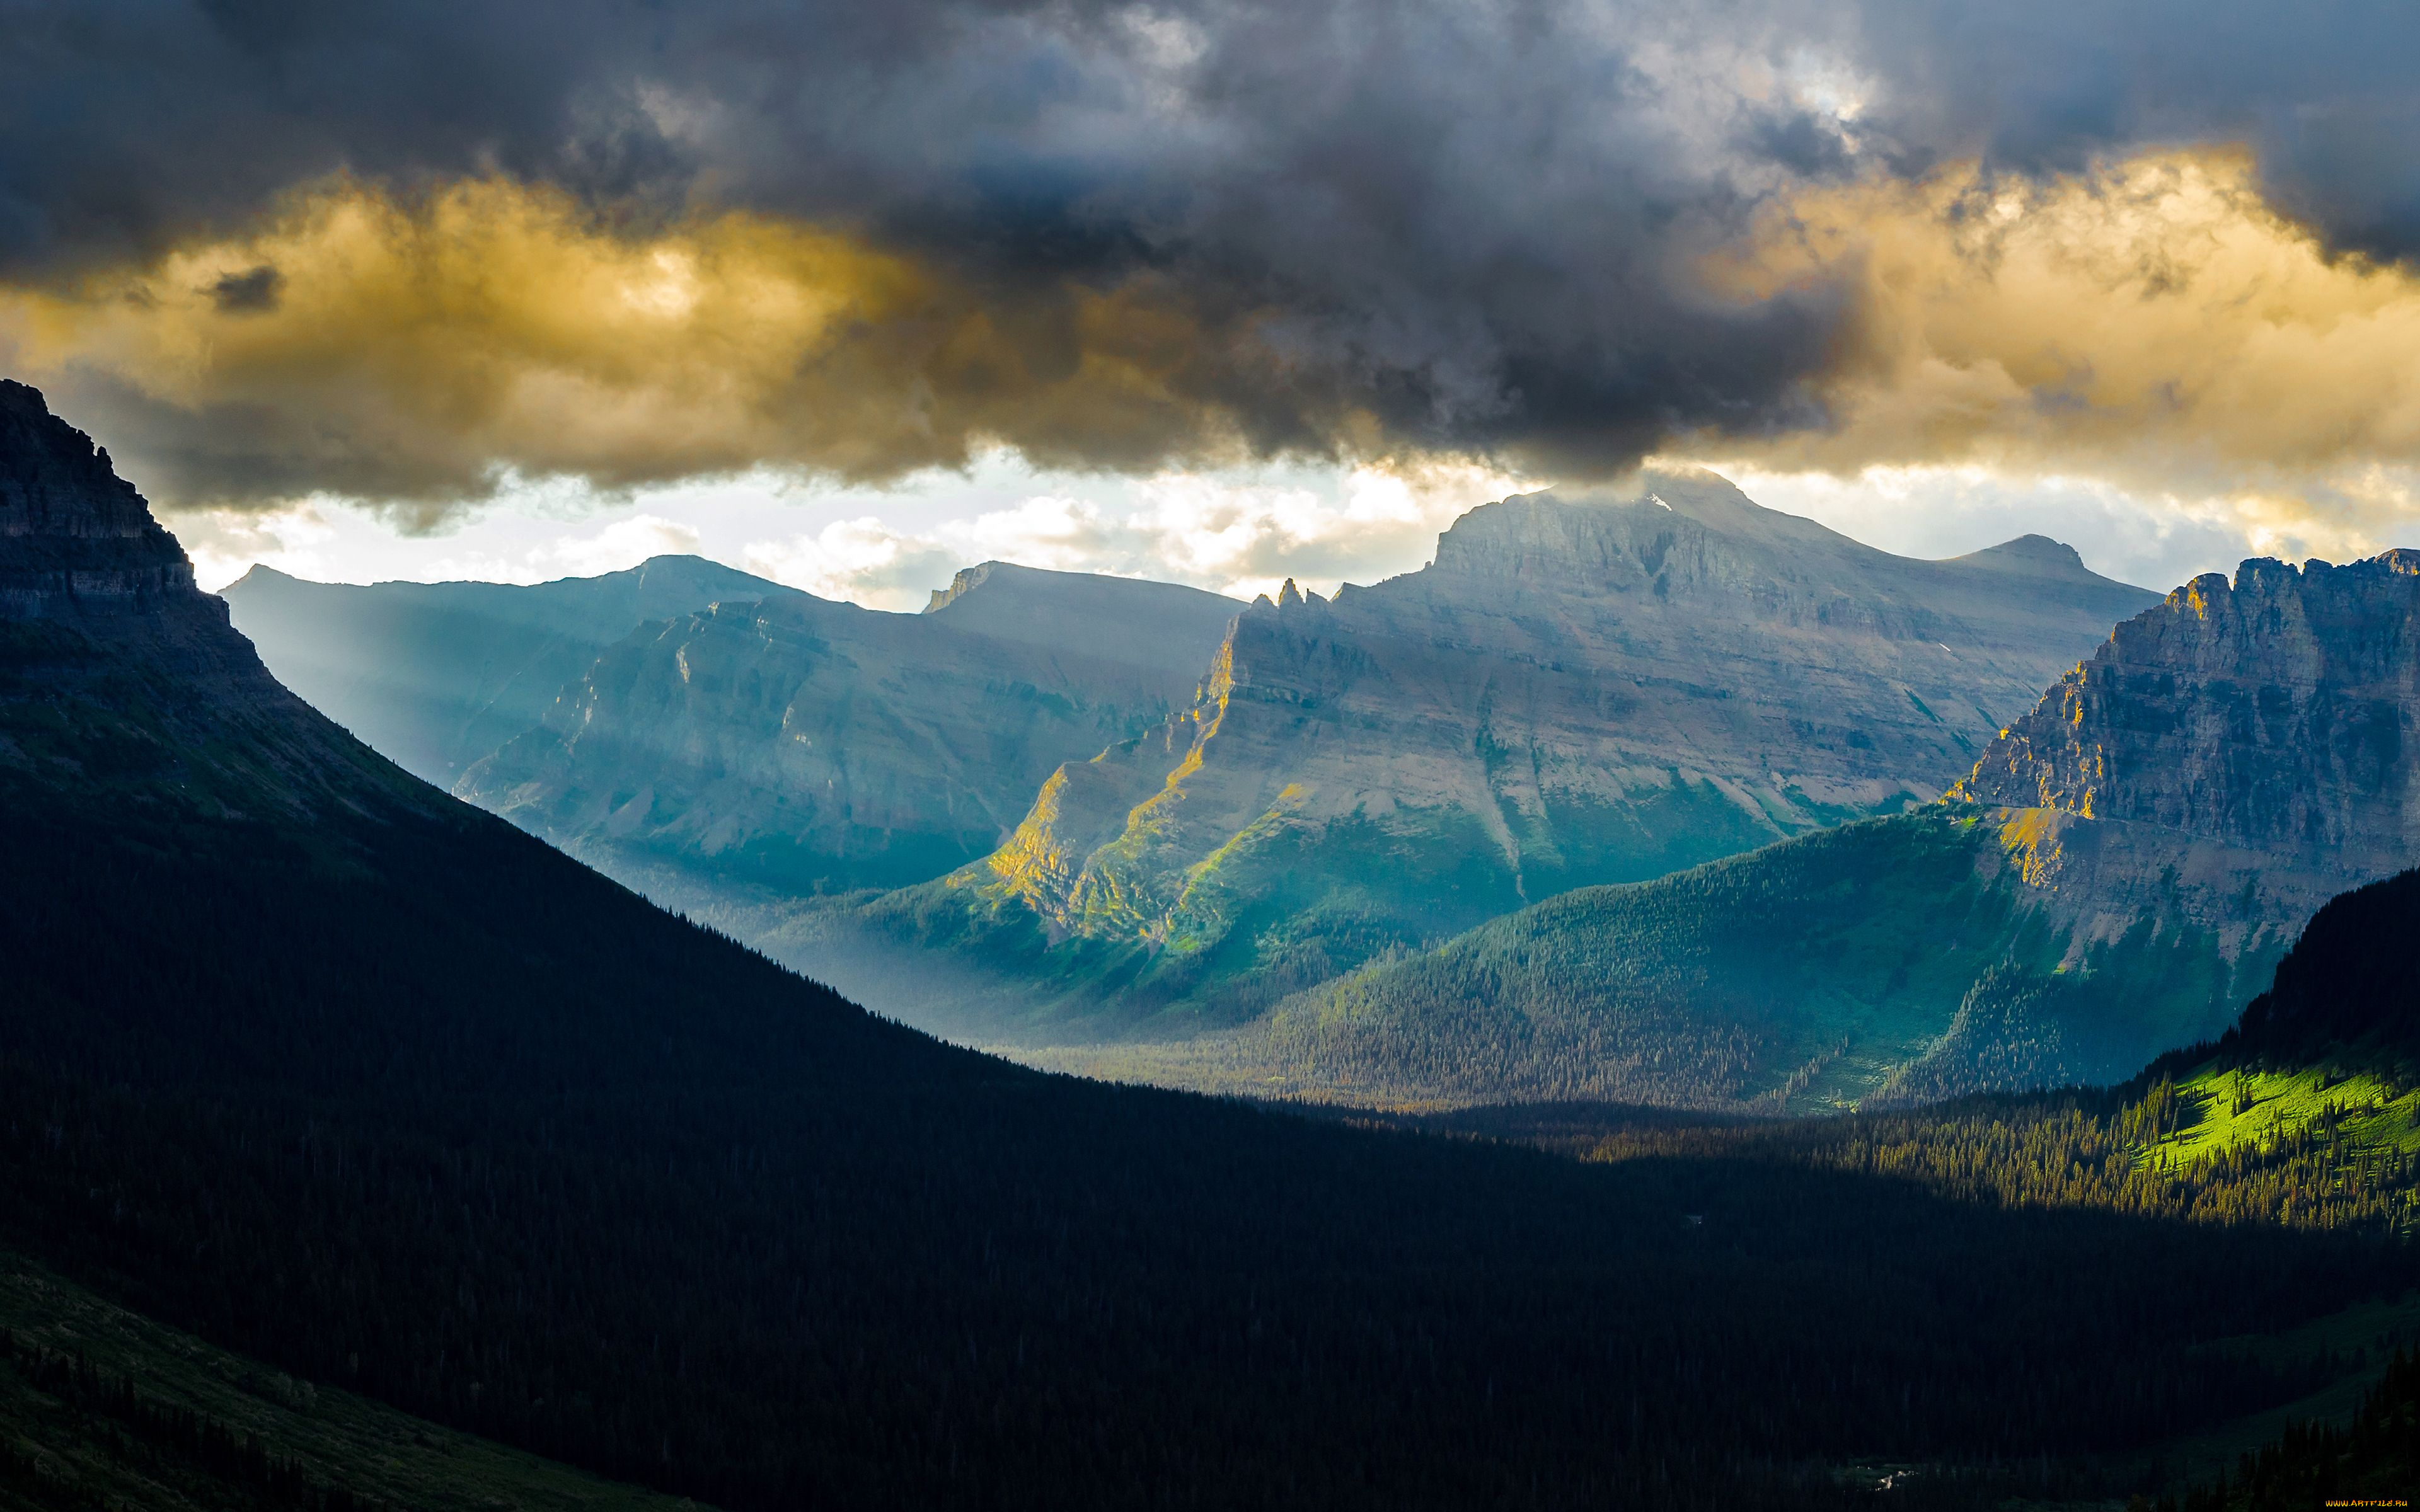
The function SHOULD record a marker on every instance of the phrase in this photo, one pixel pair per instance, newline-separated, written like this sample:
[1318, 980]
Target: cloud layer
[401, 250]
[2154, 323]
[421, 348]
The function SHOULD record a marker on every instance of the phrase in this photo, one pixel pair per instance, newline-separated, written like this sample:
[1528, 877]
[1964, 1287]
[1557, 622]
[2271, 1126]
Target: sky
[1215, 291]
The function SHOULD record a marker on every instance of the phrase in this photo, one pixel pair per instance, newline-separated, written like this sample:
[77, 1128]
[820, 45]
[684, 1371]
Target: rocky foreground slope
[1576, 692]
[2114, 878]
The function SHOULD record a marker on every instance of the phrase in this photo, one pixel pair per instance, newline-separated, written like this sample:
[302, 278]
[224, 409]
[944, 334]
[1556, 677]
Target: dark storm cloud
[1470, 223]
[2325, 94]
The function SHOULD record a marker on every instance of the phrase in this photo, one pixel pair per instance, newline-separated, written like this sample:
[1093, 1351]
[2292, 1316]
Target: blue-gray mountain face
[1577, 691]
[795, 747]
[739, 736]
[436, 676]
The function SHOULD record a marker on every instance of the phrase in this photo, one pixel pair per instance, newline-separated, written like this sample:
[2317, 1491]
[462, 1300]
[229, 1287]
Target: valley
[343, 1076]
[981, 820]
[1664, 798]
[2114, 879]
[1668, 800]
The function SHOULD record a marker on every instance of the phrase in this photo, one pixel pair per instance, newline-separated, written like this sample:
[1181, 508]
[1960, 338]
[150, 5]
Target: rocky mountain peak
[2036, 556]
[75, 538]
[2274, 712]
[53, 481]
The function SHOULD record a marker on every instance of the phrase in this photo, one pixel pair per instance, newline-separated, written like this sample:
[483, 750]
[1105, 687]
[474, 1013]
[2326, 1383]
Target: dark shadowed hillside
[2347, 994]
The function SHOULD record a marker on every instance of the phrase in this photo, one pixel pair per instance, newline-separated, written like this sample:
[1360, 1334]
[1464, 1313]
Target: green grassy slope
[102, 1407]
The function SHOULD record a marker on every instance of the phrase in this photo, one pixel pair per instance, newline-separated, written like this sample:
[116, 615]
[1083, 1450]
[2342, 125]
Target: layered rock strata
[76, 540]
[2272, 716]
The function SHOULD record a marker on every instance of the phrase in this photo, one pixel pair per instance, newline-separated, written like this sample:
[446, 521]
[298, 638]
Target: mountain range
[1262, 890]
[793, 746]
[346, 1077]
[1141, 809]
[2115, 878]
[1576, 692]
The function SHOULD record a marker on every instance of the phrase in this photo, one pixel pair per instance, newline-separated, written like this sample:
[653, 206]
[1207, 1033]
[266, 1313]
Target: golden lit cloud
[2153, 322]
[414, 349]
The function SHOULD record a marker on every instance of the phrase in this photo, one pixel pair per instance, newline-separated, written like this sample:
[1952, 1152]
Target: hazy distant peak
[689, 564]
[999, 584]
[674, 572]
[2036, 556]
[1155, 624]
[1635, 528]
[1663, 494]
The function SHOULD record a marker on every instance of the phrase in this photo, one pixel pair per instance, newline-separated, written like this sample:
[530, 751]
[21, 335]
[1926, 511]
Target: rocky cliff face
[2274, 715]
[796, 745]
[2114, 880]
[1577, 691]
